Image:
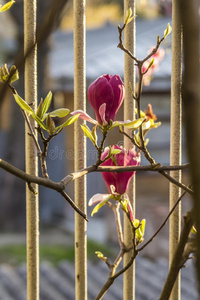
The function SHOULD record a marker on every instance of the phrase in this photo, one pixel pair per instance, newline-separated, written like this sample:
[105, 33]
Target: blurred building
[102, 57]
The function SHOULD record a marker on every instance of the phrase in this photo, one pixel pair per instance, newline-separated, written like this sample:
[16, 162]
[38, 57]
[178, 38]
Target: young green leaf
[23, 104]
[134, 124]
[100, 255]
[142, 114]
[68, 122]
[88, 133]
[50, 125]
[29, 110]
[140, 230]
[124, 205]
[114, 151]
[98, 206]
[39, 109]
[168, 30]
[193, 230]
[143, 225]
[128, 17]
[4, 73]
[39, 121]
[60, 113]
[137, 138]
[11, 75]
[94, 133]
[7, 6]
[136, 223]
[15, 77]
[46, 104]
[150, 65]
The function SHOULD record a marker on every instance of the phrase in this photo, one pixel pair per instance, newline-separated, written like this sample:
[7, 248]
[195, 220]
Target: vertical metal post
[175, 137]
[32, 214]
[80, 150]
[129, 76]
[191, 102]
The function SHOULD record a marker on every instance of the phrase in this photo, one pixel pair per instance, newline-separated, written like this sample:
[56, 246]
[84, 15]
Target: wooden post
[175, 137]
[129, 76]
[32, 215]
[80, 150]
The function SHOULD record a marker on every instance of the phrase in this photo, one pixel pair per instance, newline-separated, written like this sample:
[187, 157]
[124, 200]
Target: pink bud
[130, 210]
[119, 180]
[106, 95]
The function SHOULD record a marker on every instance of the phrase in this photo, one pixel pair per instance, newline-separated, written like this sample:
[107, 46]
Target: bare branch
[59, 187]
[164, 222]
[176, 263]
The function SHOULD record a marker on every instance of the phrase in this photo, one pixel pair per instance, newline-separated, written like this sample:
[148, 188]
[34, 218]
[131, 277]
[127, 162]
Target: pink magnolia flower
[119, 180]
[106, 95]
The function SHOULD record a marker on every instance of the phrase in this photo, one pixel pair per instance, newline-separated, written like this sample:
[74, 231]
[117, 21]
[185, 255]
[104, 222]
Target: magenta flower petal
[98, 198]
[119, 180]
[102, 111]
[108, 90]
[105, 153]
[83, 115]
[119, 93]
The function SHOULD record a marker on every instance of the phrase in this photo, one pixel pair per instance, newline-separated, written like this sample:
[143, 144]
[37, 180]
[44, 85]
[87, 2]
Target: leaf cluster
[8, 75]
[45, 119]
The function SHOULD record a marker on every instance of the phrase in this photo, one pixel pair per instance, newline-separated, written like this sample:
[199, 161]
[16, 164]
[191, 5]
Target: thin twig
[123, 250]
[115, 209]
[100, 149]
[59, 187]
[164, 222]
[73, 205]
[121, 45]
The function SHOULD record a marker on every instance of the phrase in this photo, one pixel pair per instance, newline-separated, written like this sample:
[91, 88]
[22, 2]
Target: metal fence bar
[175, 136]
[32, 214]
[191, 102]
[80, 150]
[129, 76]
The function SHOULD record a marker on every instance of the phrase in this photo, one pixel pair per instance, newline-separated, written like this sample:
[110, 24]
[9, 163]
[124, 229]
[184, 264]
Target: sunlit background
[55, 73]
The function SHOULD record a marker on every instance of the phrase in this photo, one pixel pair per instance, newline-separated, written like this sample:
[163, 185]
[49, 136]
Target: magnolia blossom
[117, 183]
[106, 95]
[119, 180]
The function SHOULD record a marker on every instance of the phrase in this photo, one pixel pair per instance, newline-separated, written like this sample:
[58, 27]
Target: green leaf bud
[50, 125]
[168, 30]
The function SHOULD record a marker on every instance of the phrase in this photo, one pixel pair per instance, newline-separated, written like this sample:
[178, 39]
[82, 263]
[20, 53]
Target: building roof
[58, 282]
[104, 57]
